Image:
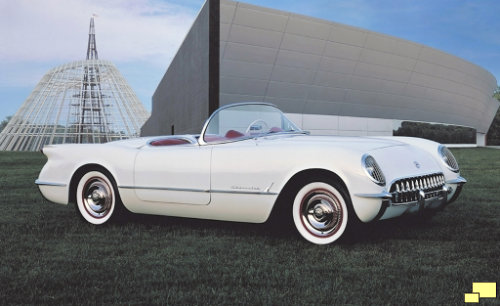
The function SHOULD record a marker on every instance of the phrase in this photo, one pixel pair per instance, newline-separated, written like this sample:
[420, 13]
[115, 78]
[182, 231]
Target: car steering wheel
[253, 123]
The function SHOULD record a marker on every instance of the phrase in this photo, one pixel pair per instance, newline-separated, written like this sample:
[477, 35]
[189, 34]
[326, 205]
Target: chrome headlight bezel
[373, 170]
[448, 159]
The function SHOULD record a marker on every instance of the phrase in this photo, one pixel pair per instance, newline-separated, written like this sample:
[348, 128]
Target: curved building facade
[330, 78]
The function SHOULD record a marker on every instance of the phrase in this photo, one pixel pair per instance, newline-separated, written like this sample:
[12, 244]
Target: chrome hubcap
[321, 213]
[97, 197]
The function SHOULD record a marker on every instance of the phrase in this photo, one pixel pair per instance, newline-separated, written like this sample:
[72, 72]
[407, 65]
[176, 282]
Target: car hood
[360, 144]
[396, 158]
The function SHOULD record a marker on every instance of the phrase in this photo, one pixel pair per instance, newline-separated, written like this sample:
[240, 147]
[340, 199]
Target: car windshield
[241, 121]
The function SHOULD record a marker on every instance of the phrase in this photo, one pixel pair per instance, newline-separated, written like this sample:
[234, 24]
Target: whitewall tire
[320, 212]
[96, 197]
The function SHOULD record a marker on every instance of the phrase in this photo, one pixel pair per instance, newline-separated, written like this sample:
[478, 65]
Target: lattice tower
[85, 101]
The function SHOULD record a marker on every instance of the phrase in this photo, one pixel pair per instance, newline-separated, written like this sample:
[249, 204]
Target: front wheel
[320, 212]
[96, 197]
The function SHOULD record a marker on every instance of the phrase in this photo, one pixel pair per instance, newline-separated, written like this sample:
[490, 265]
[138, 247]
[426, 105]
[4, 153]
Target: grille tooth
[407, 189]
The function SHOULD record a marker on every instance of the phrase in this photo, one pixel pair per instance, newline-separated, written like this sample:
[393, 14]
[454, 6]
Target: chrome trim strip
[199, 190]
[245, 192]
[382, 195]
[42, 183]
[164, 189]
[458, 180]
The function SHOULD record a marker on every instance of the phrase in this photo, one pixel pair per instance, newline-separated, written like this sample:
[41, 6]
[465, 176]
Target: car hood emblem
[417, 164]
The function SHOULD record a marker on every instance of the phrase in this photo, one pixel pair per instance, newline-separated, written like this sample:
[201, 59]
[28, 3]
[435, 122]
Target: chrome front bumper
[417, 197]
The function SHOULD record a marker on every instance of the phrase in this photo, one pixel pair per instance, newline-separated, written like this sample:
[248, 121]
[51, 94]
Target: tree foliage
[4, 123]
[493, 137]
[438, 132]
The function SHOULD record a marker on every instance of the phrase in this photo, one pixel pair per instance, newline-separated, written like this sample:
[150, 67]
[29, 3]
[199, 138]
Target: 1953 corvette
[249, 160]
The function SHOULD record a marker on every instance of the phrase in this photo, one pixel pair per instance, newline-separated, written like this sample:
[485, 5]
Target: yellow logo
[481, 290]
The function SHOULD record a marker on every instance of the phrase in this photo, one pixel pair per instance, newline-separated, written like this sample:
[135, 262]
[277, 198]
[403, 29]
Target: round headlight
[373, 170]
[448, 158]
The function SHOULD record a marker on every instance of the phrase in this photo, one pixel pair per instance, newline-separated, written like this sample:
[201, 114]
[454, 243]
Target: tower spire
[92, 47]
[91, 110]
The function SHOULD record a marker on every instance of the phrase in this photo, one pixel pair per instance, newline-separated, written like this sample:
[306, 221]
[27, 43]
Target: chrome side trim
[42, 183]
[245, 192]
[382, 195]
[458, 180]
[164, 189]
[199, 190]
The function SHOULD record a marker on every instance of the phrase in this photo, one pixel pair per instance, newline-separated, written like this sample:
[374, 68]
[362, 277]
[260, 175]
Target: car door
[241, 167]
[173, 174]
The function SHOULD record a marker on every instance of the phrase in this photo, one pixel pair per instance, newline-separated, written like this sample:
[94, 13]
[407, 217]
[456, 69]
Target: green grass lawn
[50, 256]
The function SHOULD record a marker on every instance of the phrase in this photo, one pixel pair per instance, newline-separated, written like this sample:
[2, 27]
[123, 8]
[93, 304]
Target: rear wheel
[320, 211]
[96, 197]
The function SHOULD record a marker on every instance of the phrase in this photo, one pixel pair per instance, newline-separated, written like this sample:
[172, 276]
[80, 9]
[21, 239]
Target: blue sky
[141, 36]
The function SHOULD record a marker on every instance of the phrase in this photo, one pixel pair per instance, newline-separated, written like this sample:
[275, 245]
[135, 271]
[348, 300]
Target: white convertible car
[248, 162]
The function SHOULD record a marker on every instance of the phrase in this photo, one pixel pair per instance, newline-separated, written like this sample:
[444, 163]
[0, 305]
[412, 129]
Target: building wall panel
[362, 73]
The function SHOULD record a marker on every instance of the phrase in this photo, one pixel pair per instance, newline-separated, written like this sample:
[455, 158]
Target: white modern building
[328, 77]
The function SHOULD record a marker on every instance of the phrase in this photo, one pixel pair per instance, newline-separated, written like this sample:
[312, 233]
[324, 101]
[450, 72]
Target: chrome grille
[408, 189]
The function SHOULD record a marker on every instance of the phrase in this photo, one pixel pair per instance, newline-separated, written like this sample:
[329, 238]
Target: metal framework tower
[90, 110]
[79, 102]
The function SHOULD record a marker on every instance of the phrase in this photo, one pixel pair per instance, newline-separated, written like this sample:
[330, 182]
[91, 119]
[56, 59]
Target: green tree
[493, 136]
[3, 124]
[438, 132]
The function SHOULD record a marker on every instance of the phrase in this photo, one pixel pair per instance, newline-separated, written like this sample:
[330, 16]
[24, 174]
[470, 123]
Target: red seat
[214, 138]
[234, 134]
[169, 142]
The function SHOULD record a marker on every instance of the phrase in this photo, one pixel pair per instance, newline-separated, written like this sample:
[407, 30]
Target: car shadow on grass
[406, 227]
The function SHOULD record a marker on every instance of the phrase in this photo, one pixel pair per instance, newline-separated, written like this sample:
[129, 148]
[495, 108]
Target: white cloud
[126, 30]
